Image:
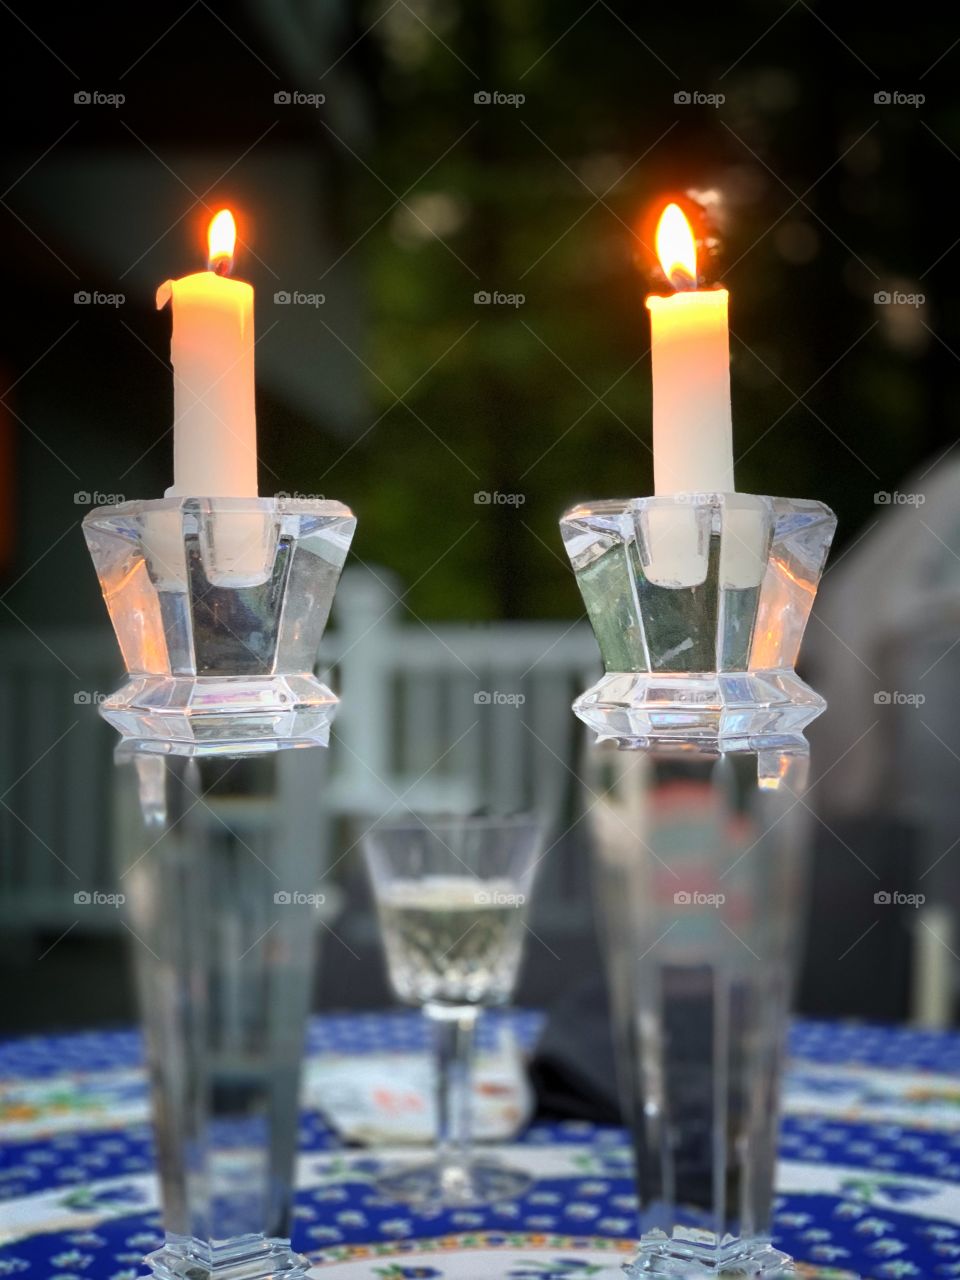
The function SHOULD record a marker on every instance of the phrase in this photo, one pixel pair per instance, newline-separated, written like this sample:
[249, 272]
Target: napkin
[388, 1098]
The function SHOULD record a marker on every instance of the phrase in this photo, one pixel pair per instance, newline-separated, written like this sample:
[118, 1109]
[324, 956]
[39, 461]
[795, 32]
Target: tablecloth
[867, 1180]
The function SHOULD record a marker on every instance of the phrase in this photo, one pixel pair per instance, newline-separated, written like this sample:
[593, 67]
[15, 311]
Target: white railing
[445, 717]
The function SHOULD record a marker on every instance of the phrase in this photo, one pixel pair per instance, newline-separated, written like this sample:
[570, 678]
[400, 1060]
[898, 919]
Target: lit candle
[214, 417]
[692, 425]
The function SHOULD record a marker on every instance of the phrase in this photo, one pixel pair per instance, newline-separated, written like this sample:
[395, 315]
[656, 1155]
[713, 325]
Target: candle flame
[221, 242]
[676, 248]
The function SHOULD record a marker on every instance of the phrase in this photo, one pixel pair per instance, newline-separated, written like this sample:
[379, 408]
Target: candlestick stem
[220, 875]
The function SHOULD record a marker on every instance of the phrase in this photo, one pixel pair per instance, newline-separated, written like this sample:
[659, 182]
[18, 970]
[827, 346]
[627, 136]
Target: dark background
[400, 197]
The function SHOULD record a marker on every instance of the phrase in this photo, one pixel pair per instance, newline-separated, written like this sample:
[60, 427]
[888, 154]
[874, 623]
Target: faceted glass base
[194, 715]
[663, 1257]
[453, 1184]
[219, 605]
[711, 711]
[242, 1258]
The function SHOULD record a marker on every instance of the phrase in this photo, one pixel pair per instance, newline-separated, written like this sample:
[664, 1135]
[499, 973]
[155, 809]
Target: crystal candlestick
[699, 602]
[218, 605]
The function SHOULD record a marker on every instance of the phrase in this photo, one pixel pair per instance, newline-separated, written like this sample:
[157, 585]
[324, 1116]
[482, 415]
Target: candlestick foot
[250, 1257]
[670, 1259]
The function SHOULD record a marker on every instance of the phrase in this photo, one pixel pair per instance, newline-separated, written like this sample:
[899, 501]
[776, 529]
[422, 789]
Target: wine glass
[451, 896]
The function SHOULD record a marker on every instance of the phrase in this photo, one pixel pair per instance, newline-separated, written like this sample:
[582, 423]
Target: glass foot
[478, 1181]
[764, 1264]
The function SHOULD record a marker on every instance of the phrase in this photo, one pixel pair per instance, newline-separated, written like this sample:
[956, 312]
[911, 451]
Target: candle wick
[221, 266]
[682, 280]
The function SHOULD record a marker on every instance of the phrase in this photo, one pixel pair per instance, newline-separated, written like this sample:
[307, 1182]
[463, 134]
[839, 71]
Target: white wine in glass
[452, 939]
[451, 895]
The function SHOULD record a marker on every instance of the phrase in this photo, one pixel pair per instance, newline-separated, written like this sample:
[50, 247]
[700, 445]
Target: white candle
[214, 427]
[692, 423]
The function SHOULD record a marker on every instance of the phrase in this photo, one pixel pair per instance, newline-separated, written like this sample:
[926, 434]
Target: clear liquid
[452, 939]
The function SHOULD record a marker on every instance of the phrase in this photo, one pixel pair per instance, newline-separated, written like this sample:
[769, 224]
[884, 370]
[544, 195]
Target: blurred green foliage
[825, 198]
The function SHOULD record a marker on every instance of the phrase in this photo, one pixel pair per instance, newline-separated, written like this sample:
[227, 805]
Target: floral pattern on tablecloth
[869, 1174]
[506, 1256]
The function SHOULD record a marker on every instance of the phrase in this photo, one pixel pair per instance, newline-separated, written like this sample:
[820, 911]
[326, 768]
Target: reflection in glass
[701, 880]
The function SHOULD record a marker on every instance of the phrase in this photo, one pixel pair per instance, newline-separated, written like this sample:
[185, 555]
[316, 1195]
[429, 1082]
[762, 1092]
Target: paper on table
[389, 1097]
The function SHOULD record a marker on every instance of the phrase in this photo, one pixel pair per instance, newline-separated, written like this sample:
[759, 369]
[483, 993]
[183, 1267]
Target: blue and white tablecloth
[869, 1179]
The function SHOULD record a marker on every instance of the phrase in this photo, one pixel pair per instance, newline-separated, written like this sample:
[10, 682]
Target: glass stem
[453, 1035]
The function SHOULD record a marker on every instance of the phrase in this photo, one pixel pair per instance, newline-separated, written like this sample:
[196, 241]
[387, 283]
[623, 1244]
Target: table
[868, 1179]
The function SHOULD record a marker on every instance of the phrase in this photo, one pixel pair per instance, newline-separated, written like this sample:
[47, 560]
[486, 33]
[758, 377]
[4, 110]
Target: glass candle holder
[218, 605]
[699, 602]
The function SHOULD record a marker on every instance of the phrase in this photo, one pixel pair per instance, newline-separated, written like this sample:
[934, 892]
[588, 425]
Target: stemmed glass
[451, 896]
